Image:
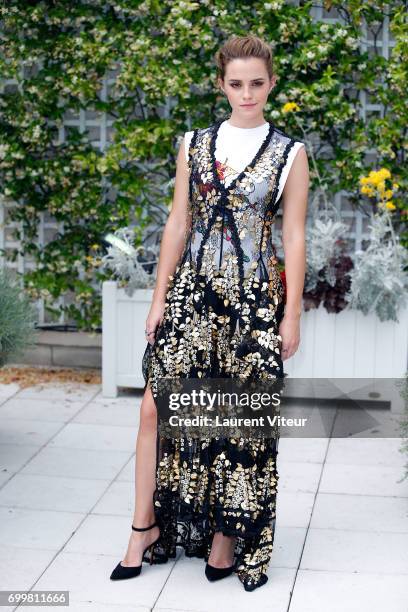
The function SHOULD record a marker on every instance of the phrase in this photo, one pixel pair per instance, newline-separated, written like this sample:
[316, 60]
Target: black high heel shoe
[217, 573]
[122, 572]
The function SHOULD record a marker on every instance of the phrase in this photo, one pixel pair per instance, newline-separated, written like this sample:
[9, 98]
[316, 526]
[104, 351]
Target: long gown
[223, 308]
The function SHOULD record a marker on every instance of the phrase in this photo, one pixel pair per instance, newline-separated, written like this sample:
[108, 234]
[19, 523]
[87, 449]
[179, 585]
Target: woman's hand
[289, 330]
[154, 318]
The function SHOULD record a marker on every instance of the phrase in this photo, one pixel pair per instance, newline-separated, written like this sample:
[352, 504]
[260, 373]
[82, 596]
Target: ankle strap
[143, 528]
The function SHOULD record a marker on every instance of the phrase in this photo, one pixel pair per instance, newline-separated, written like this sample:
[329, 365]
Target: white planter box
[123, 337]
[359, 349]
[347, 345]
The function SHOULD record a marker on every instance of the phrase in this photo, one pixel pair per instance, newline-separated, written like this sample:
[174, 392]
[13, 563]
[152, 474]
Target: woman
[210, 307]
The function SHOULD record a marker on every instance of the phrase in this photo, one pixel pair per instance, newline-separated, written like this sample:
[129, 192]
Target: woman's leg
[222, 550]
[145, 482]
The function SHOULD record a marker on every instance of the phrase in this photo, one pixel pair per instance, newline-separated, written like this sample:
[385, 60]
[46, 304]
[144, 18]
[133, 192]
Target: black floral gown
[223, 308]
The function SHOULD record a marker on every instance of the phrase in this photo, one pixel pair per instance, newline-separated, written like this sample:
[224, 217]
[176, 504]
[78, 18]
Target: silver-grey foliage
[133, 267]
[379, 278]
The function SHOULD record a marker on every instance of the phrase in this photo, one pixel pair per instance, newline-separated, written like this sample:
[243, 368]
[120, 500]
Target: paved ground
[66, 502]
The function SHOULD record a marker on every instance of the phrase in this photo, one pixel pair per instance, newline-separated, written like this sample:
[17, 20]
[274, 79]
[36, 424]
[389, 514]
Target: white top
[236, 147]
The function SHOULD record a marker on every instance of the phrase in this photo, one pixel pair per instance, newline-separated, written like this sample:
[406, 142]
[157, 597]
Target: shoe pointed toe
[121, 572]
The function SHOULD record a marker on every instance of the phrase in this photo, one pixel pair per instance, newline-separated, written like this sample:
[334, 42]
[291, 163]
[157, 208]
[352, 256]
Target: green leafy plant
[146, 70]
[17, 319]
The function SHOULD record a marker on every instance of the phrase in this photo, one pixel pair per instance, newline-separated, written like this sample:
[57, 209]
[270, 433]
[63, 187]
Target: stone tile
[119, 500]
[319, 421]
[302, 449]
[39, 529]
[366, 451]
[58, 391]
[372, 423]
[86, 576]
[293, 509]
[96, 437]
[98, 413]
[287, 546]
[128, 472]
[95, 606]
[101, 534]
[93, 464]
[129, 397]
[301, 477]
[27, 432]
[356, 551]
[4, 477]
[7, 391]
[188, 589]
[12, 459]
[360, 513]
[40, 409]
[52, 493]
[21, 567]
[363, 480]
[322, 591]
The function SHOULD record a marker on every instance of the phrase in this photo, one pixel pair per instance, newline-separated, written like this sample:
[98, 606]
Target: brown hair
[240, 47]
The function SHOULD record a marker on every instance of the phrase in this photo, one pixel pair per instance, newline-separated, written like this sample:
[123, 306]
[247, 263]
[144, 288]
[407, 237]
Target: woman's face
[247, 86]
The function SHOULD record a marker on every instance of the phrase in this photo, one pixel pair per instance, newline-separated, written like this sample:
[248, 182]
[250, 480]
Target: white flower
[3, 150]
[274, 6]
[351, 42]
[310, 55]
[341, 32]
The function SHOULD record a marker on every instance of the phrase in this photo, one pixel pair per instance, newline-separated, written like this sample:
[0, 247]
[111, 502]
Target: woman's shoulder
[196, 133]
[199, 130]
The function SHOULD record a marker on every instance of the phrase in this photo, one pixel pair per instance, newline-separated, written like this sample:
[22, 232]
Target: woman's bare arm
[174, 233]
[173, 239]
[295, 197]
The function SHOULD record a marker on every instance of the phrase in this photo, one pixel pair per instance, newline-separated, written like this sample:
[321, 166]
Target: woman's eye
[257, 84]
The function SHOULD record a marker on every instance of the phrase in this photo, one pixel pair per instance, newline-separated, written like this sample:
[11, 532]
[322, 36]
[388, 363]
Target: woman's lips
[248, 105]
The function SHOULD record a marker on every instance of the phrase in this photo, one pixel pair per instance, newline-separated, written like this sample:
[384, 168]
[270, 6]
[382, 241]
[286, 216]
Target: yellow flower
[381, 186]
[94, 247]
[390, 206]
[388, 193]
[365, 180]
[366, 190]
[395, 186]
[384, 173]
[374, 177]
[289, 107]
